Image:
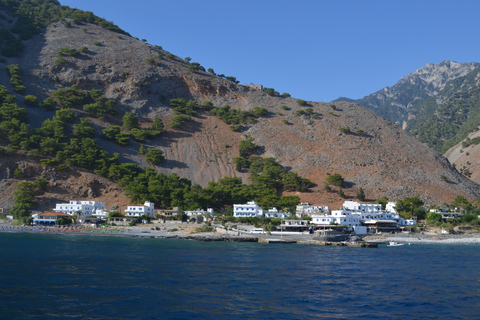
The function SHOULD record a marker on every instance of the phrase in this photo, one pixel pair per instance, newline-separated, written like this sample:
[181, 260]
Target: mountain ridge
[397, 102]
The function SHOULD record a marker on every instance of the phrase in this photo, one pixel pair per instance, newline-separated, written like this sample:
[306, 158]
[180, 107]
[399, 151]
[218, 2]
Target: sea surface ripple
[87, 277]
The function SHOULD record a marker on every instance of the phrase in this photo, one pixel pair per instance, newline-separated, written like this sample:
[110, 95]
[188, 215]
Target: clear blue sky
[313, 49]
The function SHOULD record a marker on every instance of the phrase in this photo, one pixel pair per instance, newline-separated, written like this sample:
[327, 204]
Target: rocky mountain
[399, 102]
[440, 105]
[310, 138]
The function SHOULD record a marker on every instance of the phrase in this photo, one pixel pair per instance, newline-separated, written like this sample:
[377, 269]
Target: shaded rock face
[383, 159]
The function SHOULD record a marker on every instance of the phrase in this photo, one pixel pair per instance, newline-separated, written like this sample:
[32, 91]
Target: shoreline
[142, 232]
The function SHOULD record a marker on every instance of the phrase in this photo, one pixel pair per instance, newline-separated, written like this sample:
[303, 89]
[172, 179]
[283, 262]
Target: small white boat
[394, 244]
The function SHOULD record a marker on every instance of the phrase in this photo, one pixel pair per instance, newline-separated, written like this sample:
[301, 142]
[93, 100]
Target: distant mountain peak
[396, 103]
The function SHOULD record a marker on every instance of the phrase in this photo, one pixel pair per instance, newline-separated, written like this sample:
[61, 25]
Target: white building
[447, 214]
[340, 217]
[354, 214]
[137, 210]
[249, 210]
[101, 213]
[305, 209]
[199, 212]
[84, 208]
[274, 213]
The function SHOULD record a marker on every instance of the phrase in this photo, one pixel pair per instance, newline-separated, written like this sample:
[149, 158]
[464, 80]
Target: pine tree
[360, 194]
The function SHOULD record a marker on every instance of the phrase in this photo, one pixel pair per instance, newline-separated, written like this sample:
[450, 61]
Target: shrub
[61, 61]
[170, 56]
[344, 130]
[195, 66]
[150, 60]
[286, 95]
[97, 43]
[300, 113]
[270, 91]
[359, 132]
[31, 101]
[285, 121]
[301, 102]
[284, 107]
[233, 79]
[83, 49]
[235, 128]
[18, 174]
[68, 52]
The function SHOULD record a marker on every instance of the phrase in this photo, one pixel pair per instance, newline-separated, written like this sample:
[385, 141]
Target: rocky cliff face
[397, 103]
[381, 158]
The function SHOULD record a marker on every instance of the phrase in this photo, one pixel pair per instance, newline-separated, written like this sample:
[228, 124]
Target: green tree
[84, 129]
[360, 194]
[154, 156]
[433, 217]
[31, 101]
[195, 66]
[18, 174]
[179, 120]
[335, 179]
[407, 207]
[25, 194]
[247, 147]
[301, 102]
[130, 121]
[19, 211]
[383, 201]
[115, 214]
[48, 104]
[270, 91]
[461, 202]
[139, 134]
[65, 115]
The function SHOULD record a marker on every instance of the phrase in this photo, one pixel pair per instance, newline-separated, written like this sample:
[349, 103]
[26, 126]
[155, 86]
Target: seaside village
[353, 217]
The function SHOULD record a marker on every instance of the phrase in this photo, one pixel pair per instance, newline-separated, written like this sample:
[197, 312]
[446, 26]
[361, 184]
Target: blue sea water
[85, 277]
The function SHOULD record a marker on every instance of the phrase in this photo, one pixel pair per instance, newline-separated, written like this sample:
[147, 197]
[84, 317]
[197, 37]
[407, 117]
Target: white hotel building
[137, 210]
[249, 210]
[85, 208]
[354, 214]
